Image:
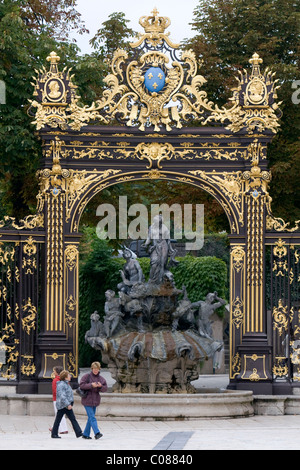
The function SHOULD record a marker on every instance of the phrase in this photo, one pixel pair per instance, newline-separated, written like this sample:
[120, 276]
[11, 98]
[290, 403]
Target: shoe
[98, 435]
[64, 432]
[86, 437]
[55, 437]
[80, 435]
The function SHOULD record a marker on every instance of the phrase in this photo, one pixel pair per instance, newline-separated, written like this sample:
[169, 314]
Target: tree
[29, 31]
[114, 34]
[228, 33]
[55, 17]
[24, 48]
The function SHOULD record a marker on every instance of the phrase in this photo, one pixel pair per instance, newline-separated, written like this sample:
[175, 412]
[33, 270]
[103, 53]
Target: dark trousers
[71, 416]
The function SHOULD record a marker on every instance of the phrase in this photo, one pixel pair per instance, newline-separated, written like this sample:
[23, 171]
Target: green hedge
[201, 276]
[99, 271]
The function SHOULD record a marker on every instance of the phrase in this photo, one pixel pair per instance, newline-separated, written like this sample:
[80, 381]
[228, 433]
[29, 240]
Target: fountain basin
[182, 406]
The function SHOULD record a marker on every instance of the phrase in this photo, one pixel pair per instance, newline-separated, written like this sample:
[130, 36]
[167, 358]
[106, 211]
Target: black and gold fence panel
[283, 306]
[10, 310]
[20, 297]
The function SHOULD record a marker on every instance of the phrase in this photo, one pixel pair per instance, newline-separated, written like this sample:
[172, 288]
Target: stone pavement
[253, 433]
[250, 433]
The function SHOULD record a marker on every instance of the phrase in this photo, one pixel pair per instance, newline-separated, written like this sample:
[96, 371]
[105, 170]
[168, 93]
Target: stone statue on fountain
[131, 273]
[153, 338]
[162, 254]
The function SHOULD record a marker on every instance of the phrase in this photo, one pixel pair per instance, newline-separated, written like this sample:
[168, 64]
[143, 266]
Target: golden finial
[255, 59]
[53, 58]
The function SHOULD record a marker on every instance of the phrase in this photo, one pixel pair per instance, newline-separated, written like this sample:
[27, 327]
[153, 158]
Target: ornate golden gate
[150, 94]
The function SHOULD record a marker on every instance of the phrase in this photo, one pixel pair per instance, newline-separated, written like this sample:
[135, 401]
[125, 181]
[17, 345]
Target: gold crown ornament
[155, 23]
[154, 27]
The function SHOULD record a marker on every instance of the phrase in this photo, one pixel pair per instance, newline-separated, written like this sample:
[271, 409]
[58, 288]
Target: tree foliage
[56, 18]
[227, 34]
[114, 34]
[157, 192]
[23, 49]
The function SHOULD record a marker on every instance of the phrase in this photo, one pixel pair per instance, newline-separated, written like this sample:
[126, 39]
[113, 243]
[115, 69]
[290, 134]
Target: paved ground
[254, 433]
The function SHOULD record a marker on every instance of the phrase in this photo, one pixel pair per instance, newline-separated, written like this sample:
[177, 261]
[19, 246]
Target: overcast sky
[95, 12]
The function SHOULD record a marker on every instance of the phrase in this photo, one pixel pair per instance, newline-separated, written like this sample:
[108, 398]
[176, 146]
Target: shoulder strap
[87, 376]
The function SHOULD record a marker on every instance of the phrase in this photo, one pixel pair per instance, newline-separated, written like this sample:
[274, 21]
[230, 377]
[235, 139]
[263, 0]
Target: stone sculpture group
[153, 338]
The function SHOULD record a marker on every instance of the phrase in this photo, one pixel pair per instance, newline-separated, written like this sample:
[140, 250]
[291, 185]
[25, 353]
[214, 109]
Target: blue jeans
[91, 422]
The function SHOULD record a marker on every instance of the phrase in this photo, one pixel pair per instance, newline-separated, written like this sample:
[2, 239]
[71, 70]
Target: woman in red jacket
[93, 383]
[63, 428]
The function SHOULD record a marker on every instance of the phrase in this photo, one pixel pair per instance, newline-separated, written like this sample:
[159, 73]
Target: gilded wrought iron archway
[152, 93]
[163, 176]
[210, 181]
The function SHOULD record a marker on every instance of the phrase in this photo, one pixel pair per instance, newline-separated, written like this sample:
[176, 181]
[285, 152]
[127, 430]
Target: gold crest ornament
[155, 86]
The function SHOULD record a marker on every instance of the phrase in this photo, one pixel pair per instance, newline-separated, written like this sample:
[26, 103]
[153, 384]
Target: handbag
[81, 393]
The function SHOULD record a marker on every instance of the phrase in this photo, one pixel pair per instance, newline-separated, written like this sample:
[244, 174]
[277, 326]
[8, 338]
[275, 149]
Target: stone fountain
[153, 338]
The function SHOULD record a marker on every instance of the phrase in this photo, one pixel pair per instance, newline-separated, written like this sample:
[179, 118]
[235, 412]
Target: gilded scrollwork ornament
[280, 368]
[71, 254]
[28, 223]
[237, 312]
[56, 100]
[28, 367]
[29, 251]
[238, 258]
[155, 88]
[281, 317]
[29, 316]
[254, 108]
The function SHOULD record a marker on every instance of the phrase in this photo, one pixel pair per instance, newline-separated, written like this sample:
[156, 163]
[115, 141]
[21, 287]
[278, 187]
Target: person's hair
[58, 369]
[96, 365]
[64, 375]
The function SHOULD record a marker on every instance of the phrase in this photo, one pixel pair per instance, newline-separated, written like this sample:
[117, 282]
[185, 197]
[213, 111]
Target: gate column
[254, 353]
[57, 342]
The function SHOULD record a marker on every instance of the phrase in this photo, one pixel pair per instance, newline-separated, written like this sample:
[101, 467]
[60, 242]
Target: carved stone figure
[134, 308]
[95, 329]
[131, 273]
[183, 309]
[161, 249]
[113, 313]
[206, 309]
[95, 334]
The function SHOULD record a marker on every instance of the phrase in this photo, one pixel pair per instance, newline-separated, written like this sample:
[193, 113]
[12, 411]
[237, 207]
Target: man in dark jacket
[93, 383]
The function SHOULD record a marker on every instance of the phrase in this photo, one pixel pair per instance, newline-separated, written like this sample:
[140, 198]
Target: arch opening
[212, 191]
